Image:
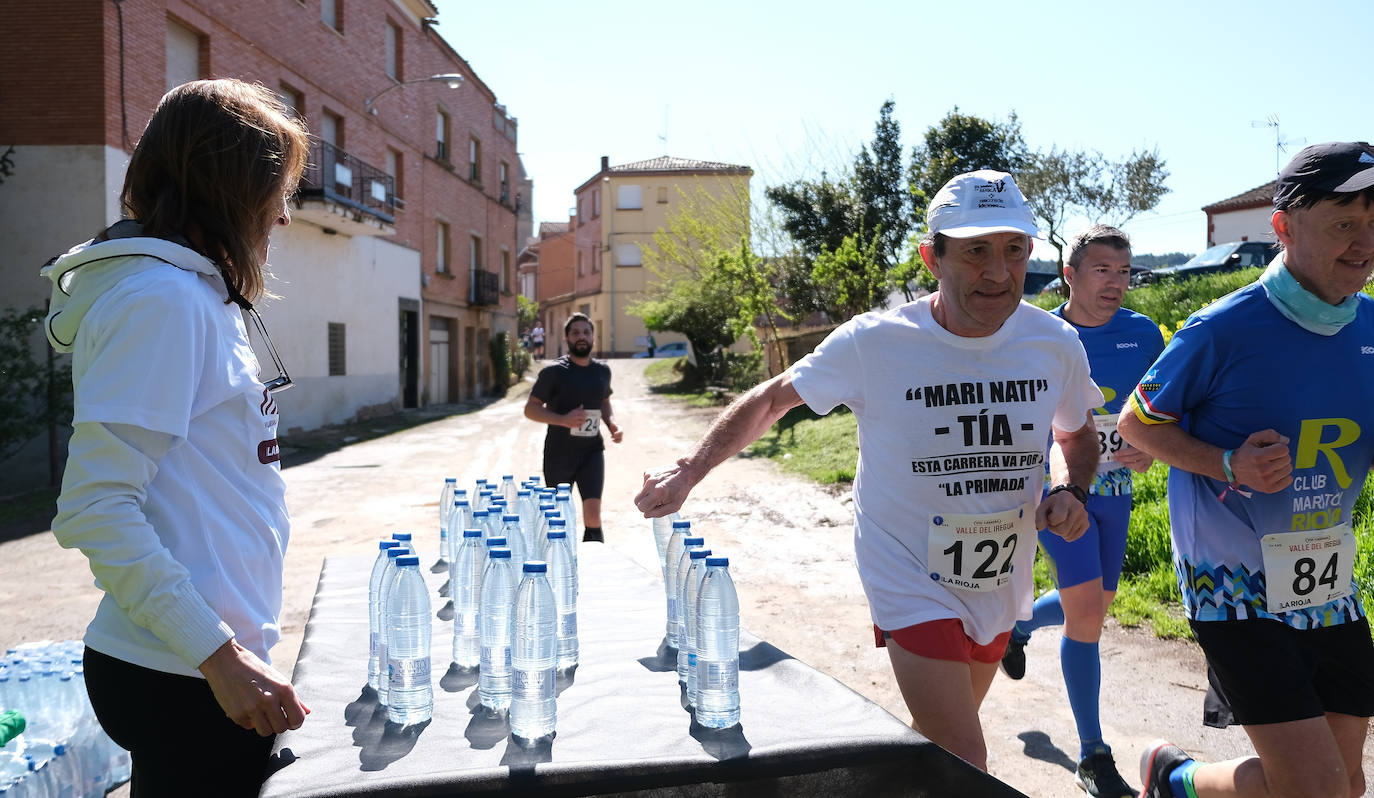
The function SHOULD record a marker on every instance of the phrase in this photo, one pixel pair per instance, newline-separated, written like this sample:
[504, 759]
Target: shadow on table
[521, 756]
[722, 743]
[1038, 746]
[381, 741]
[663, 660]
[456, 679]
[486, 728]
[755, 658]
[445, 612]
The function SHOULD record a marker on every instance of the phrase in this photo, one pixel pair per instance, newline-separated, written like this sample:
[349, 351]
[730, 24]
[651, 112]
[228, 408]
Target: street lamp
[453, 79]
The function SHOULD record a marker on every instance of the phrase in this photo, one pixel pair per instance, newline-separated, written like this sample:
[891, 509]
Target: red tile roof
[668, 163]
[1256, 197]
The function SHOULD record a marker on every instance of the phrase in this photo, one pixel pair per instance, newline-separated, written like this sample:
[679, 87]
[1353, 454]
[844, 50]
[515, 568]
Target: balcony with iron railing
[486, 289]
[342, 192]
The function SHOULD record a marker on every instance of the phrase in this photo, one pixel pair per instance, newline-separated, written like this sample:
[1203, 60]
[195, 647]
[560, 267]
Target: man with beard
[573, 396]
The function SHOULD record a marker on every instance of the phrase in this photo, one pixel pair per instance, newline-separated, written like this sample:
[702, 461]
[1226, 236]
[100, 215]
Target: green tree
[38, 393]
[884, 199]
[961, 143]
[852, 279]
[1064, 185]
[527, 310]
[750, 280]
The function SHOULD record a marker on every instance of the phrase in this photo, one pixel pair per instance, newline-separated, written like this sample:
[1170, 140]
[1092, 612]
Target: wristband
[1226, 466]
[1077, 492]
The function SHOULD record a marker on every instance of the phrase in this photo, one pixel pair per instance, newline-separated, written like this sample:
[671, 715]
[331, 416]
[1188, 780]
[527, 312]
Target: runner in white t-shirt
[956, 396]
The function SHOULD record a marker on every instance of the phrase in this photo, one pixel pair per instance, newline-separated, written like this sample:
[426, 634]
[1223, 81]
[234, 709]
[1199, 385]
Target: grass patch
[822, 448]
[667, 377]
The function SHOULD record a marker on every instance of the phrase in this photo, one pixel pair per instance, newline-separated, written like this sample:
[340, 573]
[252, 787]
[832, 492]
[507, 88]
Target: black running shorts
[584, 467]
[1262, 670]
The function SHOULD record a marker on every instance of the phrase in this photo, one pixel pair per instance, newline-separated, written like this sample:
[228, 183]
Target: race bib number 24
[976, 551]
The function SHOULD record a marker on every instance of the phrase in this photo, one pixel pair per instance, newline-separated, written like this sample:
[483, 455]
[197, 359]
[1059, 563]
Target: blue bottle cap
[510, 518]
[717, 561]
[536, 566]
[694, 541]
[460, 502]
[450, 479]
[523, 492]
[463, 492]
[553, 522]
[698, 554]
[397, 551]
[481, 482]
[681, 524]
[558, 534]
[401, 536]
[472, 533]
[480, 513]
[500, 553]
[548, 507]
[507, 476]
[496, 541]
[409, 559]
[388, 544]
[565, 486]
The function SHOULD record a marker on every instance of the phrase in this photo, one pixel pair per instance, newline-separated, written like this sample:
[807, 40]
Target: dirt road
[790, 544]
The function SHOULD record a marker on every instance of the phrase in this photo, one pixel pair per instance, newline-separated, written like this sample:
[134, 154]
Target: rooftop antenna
[663, 137]
[1281, 144]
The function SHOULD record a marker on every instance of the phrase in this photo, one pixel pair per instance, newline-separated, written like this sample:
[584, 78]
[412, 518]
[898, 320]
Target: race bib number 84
[1308, 569]
[975, 551]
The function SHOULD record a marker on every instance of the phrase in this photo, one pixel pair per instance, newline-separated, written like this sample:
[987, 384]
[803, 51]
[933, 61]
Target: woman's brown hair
[214, 162]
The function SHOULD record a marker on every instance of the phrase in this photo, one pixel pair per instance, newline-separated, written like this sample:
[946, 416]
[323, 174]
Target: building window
[293, 100]
[662, 195]
[337, 350]
[596, 202]
[475, 254]
[581, 216]
[183, 54]
[393, 51]
[441, 135]
[474, 160]
[505, 270]
[332, 129]
[580, 272]
[395, 166]
[629, 198]
[628, 255]
[441, 247]
[331, 13]
[596, 257]
[505, 183]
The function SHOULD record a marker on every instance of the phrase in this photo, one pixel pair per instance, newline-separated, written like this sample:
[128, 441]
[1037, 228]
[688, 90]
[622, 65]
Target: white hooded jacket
[172, 488]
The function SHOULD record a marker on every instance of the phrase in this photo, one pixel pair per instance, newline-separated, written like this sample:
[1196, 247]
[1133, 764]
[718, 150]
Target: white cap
[979, 203]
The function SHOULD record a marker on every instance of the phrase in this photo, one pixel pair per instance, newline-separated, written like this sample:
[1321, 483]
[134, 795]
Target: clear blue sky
[790, 88]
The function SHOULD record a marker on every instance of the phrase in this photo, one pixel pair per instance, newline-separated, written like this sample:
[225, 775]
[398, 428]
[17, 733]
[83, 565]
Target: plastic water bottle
[498, 626]
[374, 603]
[383, 596]
[717, 657]
[515, 538]
[689, 636]
[681, 530]
[563, 580]
[465, 586]
[690, 548]
[533, 710]
[663, 530]
[556, 524]
[459, 520]
[479, 520]
[528, 511]
[508, 488]
[445, 510]
[563, 500]
[410, 694]
[494, 513]
[405, 538]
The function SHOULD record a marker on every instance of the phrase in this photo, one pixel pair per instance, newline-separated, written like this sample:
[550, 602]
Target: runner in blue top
[1263, 404]
[1120, 344]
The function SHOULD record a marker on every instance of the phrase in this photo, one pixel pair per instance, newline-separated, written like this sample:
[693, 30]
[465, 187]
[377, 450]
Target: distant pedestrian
[573, 396]
[1263, 406]
[537, 340]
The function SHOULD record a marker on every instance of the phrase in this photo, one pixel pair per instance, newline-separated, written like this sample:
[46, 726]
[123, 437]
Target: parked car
[1220, 258]
[1139, 275]
[674, 349]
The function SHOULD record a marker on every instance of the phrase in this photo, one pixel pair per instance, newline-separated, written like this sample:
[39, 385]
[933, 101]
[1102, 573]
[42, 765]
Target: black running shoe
[1014, 659]
[1160, 760]
[1097, 777]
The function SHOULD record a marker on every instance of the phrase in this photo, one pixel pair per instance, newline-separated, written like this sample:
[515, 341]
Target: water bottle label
[408, 672]
[373, 641]
[720, 676]
[536, 684]
[488, 663]
[567, 625]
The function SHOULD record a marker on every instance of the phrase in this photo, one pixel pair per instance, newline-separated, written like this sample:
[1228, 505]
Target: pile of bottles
[511, 554]
[62, 750]
[702, 622]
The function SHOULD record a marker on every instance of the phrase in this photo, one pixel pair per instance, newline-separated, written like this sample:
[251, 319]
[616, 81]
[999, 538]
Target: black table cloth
[622, 728]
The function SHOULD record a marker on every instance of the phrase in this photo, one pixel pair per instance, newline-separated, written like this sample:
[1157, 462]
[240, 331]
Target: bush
[38, 391]
[502, 362]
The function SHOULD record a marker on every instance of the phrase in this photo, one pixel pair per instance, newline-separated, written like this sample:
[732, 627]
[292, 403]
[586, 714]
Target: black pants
[181, 741]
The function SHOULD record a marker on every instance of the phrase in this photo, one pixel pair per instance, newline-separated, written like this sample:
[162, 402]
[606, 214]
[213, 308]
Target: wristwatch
[1078, 493]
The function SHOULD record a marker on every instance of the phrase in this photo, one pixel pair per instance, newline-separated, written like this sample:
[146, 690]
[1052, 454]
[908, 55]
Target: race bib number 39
[975, 552]
[590, 426]
[1308, 569]
[1109, 442]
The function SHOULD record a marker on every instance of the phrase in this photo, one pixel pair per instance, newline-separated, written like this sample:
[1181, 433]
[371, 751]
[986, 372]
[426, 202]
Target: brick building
[398, 267]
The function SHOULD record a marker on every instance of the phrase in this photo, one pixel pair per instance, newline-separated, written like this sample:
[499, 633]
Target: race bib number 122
[975, 551]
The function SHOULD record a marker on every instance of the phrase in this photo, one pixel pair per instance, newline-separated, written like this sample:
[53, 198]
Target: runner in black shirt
[573, 396]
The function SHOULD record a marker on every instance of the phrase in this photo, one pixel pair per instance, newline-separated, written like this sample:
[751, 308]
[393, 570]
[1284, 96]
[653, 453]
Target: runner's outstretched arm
[740, 424]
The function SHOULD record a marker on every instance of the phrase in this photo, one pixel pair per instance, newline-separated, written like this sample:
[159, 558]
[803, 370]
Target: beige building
[618, 210]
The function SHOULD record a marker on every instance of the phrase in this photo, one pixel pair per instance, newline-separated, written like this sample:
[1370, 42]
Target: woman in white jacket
[172, 488]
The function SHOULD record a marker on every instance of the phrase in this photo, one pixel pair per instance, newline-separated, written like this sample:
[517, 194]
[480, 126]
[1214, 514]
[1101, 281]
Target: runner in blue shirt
[1263, 405]
[1121, 344]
